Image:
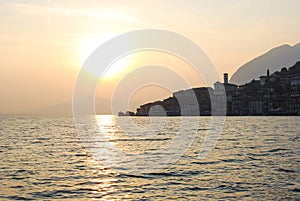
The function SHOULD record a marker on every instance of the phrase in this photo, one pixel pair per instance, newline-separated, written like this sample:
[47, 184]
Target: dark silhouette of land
[274, 60]
[272, 94]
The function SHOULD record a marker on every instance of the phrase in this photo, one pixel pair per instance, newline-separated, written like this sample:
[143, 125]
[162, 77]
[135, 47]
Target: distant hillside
[102, 106]
[274, 60]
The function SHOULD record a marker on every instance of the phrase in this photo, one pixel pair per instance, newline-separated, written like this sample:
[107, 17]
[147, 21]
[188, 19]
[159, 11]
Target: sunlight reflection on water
[256, 158]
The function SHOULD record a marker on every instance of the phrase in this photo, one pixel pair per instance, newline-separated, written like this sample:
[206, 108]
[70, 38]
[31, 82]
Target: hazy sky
[43, 43]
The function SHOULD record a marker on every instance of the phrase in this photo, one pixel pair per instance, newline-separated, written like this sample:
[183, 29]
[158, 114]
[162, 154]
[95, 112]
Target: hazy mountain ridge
[274, 60]
[102, 106]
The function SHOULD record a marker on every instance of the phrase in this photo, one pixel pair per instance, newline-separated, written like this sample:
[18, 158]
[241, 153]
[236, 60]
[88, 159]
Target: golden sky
[44, 43]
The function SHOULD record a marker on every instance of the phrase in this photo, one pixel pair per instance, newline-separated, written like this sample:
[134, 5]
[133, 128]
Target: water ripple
[43, 158]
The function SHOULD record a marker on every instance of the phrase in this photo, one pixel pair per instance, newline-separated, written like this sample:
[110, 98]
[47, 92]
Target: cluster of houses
[275, 94]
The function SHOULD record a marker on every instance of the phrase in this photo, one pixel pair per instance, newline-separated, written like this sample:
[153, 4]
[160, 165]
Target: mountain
[274, 60]
[102, 106]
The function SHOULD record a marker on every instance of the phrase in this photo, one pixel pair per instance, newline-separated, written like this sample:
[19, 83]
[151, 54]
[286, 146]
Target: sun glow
[88, 46]
[118, 67]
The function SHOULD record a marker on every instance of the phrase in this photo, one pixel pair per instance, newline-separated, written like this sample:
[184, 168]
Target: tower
[268, 73]
[225, 78]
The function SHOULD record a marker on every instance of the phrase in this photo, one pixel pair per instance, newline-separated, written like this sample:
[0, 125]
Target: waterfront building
[272, 94]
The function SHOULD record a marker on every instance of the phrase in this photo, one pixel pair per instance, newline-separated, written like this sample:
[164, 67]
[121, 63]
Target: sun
[118, 68]
[89, 45]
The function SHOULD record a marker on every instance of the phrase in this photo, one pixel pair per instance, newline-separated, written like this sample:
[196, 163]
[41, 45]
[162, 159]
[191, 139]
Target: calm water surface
[256, 158]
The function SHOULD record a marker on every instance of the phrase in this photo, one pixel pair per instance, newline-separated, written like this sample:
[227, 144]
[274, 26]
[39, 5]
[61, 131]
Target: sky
[44, 43]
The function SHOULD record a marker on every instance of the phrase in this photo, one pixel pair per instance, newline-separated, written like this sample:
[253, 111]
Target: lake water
[45, 158]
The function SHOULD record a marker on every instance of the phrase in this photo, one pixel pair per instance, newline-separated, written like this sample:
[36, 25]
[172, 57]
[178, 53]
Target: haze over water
[44, 158]
[47, 45]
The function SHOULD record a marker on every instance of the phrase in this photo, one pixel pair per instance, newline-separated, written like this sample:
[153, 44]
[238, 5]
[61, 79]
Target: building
[275, 94]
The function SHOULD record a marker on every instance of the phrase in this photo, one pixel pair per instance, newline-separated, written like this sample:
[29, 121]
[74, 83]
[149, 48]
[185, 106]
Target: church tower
[225, 78]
